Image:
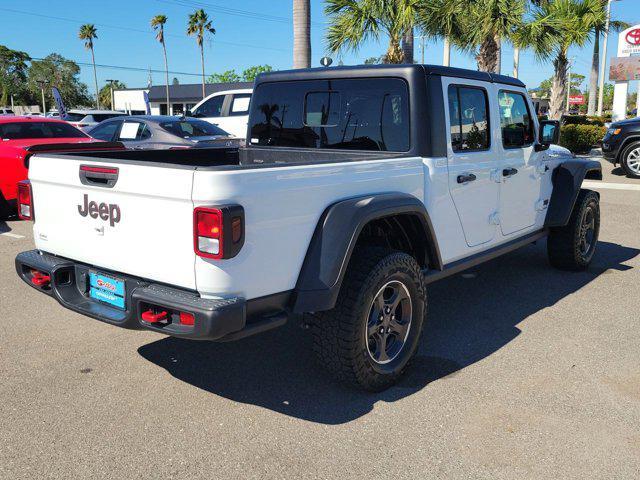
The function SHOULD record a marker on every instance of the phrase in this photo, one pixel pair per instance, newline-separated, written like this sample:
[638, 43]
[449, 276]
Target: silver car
[86, 119]
[162, 132]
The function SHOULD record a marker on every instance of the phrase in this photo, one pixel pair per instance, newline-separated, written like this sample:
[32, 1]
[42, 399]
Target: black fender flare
[335, 237]
[567, 180]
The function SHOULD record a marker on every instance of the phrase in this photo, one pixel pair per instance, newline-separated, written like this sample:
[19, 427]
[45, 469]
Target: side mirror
[549, 134]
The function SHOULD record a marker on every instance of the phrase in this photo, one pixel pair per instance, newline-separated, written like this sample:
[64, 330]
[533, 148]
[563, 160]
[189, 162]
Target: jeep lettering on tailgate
[105, 211]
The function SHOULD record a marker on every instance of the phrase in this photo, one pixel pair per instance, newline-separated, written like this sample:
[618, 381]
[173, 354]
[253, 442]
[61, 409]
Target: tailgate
[142, 225]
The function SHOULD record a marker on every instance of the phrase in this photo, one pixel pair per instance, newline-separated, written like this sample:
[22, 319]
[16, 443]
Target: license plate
[107, 289]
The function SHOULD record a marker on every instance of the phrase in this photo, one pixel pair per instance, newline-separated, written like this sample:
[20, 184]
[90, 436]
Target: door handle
[467, 177]
[509, 172]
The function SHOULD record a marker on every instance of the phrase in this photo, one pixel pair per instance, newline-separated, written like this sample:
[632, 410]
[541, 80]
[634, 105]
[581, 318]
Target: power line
[233, 11]
[124, 67]
[137, 30]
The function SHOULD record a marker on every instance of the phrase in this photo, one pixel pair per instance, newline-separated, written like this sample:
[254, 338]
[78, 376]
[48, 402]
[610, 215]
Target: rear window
[99, 117]
[353, 114]
[21, 130]
[192, 128]
[72, 117]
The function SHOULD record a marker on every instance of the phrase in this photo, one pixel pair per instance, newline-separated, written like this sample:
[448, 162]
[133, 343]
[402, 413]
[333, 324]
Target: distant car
[52, 114]
[162, 132]
[6, 112]
[85, 119]
[32, 114]
[621, 145]
[18, 134]
[228, 110]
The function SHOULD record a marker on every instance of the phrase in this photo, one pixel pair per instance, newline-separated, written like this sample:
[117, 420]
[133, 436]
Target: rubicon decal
[110, 212]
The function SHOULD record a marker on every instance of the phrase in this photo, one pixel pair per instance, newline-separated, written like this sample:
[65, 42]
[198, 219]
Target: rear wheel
[630, 160]
[372, 333]
[572, 247]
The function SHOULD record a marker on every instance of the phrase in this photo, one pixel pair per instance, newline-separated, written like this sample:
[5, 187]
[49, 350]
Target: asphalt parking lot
[524, 373]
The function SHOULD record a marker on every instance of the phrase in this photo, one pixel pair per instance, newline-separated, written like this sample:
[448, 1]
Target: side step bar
[452, 268]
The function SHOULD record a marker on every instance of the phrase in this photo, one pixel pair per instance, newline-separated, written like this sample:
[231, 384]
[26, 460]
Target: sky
[248, 32]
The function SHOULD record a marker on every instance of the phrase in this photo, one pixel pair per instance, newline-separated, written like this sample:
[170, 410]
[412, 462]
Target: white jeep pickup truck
[358, 187]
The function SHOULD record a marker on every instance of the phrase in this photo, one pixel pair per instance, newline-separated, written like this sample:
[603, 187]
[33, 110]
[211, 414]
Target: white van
[229, 110]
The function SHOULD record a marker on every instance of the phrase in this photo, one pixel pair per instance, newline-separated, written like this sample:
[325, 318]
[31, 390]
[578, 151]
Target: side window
[469, 114]
[240, 104]
[210, 108]
[515, 120]
[105, 131]
[135, 131]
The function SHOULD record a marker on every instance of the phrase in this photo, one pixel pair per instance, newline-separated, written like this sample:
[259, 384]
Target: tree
[354, 22]
[200, 26]
[301, 34]
[599, 26]
[488, 23]
[13, 76]
[157, 23]
[105, 93]
[444, 19]
[250, 74]
[175, 81]
[373, 61]
[88, 33]
[224, 77]
[60, 72]
[556, 27]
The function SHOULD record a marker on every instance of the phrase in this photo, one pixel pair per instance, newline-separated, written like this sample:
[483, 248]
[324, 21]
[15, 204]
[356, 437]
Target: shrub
[595, 120]
[542, 118]
[581, 138]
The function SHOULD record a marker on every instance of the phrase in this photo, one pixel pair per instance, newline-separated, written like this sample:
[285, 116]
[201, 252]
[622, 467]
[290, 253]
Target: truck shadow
[4, 228]
[470, 317]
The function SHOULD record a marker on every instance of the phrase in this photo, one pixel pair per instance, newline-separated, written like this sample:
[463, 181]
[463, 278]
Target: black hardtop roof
[402, 70]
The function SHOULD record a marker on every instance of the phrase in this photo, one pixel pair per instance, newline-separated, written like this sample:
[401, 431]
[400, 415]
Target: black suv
[621, 145]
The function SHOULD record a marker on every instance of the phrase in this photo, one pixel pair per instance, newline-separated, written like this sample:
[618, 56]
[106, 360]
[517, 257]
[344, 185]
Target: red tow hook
[40, 279]
[151, 317]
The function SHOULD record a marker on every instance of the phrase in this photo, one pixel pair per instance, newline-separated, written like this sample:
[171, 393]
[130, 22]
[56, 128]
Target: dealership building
[182, 97]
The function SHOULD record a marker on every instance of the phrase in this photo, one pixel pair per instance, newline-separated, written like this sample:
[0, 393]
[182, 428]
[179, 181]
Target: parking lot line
[612, 186]
[12, 235]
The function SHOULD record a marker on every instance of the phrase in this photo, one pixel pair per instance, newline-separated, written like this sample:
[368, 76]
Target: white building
[182, 97]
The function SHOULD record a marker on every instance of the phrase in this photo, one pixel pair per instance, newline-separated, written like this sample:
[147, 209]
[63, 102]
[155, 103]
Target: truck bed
[214, 158]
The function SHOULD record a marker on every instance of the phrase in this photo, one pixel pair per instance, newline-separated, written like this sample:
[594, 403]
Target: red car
[19, 138]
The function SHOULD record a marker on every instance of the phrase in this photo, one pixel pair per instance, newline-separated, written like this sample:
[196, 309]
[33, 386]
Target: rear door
[473, 159]
[238, 114]
[137, 221]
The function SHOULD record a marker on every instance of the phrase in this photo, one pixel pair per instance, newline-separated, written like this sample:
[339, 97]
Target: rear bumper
[69, 285]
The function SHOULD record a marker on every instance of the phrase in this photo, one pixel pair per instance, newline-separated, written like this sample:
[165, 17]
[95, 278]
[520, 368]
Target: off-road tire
[564, 244]
[340, 334]
[624, 160]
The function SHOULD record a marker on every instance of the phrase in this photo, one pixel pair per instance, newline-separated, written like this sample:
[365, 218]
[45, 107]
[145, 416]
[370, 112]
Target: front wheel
[630, 160]
[572, 246]
[373, 331]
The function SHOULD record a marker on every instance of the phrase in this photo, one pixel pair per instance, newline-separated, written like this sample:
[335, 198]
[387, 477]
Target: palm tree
[355, 21]
[443, 19]
[301, 34]
[87, 33]
[157, 23]
[599, 27]
[556, 27]
[200, 26]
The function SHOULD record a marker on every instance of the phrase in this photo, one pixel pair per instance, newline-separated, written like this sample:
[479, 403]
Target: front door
[473, 161]
[521, 170]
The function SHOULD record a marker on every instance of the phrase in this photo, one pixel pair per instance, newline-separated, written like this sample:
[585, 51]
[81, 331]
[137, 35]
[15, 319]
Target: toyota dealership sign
[625, 68]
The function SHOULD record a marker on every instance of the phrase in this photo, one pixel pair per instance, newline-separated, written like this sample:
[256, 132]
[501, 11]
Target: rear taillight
[25, 200]
[218, 232]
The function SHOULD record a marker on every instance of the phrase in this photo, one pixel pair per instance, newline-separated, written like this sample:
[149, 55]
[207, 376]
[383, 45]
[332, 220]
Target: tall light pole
[603, 61]
[42, 83]
[569, 85]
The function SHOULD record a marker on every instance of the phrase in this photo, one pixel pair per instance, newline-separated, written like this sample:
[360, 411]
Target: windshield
[21, 130]
[192, 128]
